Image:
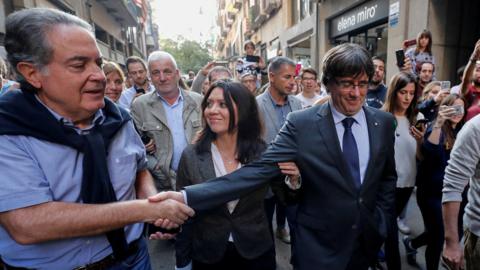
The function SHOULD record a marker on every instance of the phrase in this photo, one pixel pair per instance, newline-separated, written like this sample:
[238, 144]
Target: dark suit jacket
[205, 238]
[333, 215]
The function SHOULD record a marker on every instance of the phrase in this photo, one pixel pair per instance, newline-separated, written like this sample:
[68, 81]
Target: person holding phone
[250, 62]
[436, 147]
[137, 71]
[401, 102]
[421, 53]
[432, 96]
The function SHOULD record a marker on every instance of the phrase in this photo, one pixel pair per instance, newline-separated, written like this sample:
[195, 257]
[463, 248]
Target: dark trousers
[287, 211]
[433, 236]
[359, 259]
[271, 205]
[392, 252]
[232, 260]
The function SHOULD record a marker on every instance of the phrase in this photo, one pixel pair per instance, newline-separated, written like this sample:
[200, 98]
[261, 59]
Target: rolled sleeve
[463, 162]
[23, 182]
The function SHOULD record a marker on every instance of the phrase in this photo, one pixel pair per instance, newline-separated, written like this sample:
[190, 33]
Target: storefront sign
[394, 14]
[358, 17]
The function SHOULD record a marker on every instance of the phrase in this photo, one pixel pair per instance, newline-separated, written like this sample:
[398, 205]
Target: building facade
[122, 27]
[305, 30]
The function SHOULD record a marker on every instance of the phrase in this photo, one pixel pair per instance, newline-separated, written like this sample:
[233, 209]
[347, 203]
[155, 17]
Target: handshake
[167, 210]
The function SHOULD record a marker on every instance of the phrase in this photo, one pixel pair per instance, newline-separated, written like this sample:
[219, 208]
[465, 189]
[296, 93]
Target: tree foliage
[189, 54]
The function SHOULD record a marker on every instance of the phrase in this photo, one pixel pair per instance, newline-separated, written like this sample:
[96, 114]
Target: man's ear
[31, 73]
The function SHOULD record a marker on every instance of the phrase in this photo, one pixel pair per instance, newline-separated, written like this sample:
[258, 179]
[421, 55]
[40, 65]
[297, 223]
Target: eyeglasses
[345, 84]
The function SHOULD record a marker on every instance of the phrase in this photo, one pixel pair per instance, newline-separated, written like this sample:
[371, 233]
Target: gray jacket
[269, 116]
[464, 168]
[150, 119]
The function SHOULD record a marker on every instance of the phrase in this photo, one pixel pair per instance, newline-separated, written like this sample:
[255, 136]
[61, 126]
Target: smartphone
[400, 57]
[221, 63]
[421, 123]
[410, 42]
[444, 85]
[459, 110]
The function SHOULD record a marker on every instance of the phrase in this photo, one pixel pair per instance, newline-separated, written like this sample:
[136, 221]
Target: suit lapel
[373, 138]
[207, 171]
[157, 109]
[269, 109]
[327, 129]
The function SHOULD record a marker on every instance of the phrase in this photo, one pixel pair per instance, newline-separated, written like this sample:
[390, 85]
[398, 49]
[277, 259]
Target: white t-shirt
[405, 153]
[307, 102]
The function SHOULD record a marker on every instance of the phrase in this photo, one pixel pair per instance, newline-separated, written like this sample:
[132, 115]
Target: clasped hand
[172, 212]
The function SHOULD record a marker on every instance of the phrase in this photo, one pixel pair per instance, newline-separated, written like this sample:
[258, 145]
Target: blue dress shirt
[35, 172]
[174, 114]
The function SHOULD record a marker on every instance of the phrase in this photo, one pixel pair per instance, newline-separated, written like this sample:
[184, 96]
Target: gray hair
[217, 70]
[160, 55]
[278, 62]
[26, 36]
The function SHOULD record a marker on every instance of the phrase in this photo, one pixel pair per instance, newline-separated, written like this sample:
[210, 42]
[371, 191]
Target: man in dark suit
[345, 153]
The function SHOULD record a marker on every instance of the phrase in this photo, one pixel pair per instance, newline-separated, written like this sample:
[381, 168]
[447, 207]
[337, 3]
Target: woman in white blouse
[235, 235]
[401, 102]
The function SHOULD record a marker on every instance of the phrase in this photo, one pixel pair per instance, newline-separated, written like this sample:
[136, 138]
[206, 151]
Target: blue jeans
[138, 261]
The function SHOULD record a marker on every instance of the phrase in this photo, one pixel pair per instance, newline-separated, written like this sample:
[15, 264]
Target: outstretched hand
[169, 206]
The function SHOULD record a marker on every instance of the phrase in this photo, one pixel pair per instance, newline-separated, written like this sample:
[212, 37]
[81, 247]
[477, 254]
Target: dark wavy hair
[249, 127]
[398, 82]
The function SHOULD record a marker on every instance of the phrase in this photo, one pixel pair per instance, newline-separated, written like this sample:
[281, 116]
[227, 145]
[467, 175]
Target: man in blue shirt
[74, 178]
[137, 71]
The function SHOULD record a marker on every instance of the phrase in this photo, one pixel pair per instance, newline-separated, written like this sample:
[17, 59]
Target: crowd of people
[95, 159]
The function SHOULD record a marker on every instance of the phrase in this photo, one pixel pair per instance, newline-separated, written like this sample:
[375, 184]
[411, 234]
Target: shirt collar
[179, 98]
[274, 102]
[98, 118]
[338, 116]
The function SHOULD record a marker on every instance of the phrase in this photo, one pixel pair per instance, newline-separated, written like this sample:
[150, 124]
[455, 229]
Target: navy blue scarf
[22, 114]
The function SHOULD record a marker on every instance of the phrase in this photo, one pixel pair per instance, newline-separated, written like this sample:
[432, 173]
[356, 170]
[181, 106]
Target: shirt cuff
[451, 196]
[293, 186]
[184, 196]
[186, 267]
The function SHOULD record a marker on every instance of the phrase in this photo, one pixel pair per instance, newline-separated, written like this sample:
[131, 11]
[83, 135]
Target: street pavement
[162, 252]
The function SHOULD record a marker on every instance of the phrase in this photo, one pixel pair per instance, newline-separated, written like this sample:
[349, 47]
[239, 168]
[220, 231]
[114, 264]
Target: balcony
[231, 15]
[121, 11]
[221, 4]
[224, 33]
[270, 6]
[228, 22]
[259, 20]
[220, 44]
[237, 4]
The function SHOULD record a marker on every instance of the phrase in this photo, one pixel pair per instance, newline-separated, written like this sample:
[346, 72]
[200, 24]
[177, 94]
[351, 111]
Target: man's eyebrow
[77, 58]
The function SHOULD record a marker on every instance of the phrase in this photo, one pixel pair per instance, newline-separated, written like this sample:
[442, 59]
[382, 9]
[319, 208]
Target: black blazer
[205, 237]
[333, 215]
